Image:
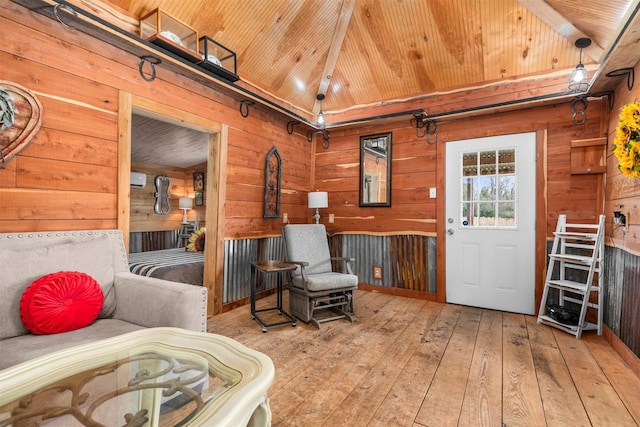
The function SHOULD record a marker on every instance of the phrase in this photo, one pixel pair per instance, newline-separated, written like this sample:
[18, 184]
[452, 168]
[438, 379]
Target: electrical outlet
[377, 272]
[285, 218]
[331, 218]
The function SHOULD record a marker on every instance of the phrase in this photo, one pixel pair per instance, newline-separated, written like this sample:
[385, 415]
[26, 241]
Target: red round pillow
[61, 302]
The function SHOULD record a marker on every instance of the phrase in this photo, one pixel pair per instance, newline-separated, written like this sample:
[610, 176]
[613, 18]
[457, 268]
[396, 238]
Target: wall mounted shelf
[588, 156]
[85, 22]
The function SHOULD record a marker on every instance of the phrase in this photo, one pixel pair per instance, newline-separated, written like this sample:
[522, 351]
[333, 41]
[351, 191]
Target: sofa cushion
[26, 347]
[93, 257]
[61, 302]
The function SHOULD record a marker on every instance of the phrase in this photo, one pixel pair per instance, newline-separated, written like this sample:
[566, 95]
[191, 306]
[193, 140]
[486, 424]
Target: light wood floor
[407, 362]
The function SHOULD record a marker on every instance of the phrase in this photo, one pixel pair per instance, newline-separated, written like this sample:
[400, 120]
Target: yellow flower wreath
[626, 144]
[196, 241]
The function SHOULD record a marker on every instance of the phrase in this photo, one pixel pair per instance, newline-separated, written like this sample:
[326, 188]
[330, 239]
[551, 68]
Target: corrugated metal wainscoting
[622, 296]
[407, 261]
[238, 256]
[143, 241]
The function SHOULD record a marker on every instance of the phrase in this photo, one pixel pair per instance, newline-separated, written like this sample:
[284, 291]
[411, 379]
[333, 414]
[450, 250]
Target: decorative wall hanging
[272, 180]
[20, 119]
[198, 181]
[626, 143]
[199, 198]
[162, 205]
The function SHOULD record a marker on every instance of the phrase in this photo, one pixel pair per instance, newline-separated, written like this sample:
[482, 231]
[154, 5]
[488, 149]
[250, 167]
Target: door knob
[450, 231]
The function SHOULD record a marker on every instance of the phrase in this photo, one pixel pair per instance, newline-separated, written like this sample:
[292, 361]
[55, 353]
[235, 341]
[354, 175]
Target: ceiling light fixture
[579, 81]
[320, 117]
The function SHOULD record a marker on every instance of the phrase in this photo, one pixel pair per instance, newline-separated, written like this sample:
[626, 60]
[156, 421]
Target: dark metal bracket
[325, 136]
[244, 107]
[153, 61]
[290, 126]
[578, 108]
[66, 8]
[629, 72]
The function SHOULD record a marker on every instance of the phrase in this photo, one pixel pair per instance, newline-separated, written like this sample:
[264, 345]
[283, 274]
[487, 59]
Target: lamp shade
[318, 199]
[185, 203]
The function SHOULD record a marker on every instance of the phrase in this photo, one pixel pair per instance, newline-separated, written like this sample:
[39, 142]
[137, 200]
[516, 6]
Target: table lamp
[317, 200]
[185, 203]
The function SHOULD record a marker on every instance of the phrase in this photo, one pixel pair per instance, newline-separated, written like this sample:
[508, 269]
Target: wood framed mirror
[375, 170]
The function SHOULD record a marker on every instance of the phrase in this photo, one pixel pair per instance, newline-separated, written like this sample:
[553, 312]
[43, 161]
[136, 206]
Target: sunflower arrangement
[626, 144]
[196, 240]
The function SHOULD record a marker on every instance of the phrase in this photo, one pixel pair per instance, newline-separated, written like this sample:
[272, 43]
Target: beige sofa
[131, 302]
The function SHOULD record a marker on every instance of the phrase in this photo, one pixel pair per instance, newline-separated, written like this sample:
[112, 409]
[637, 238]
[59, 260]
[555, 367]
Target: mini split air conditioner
[138, 180]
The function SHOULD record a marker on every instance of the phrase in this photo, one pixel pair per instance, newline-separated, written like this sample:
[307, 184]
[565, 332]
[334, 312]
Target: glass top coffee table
[151, 377]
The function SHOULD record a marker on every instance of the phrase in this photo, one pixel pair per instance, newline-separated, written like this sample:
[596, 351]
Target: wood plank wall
[67, 178]
[143, 217]
[416, 166]
[621, 193]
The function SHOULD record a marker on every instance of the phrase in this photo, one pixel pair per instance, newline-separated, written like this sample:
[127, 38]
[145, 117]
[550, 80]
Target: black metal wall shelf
[87, 23]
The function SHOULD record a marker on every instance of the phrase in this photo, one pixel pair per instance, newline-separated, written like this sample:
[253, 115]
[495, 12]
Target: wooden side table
[272, 266]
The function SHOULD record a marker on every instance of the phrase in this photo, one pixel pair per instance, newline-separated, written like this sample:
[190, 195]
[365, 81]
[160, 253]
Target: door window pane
[488, 192]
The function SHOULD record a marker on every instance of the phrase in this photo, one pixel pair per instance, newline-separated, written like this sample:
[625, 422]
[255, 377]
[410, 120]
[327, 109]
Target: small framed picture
[198, 181]
[199, 198]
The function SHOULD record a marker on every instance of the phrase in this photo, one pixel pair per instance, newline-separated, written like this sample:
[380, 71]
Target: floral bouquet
[626, 144]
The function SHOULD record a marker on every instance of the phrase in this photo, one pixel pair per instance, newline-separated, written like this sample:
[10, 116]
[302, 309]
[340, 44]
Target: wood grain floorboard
[407, 362]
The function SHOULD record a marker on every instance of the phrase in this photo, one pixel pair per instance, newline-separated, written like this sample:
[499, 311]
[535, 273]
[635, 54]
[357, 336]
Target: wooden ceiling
[366, 55]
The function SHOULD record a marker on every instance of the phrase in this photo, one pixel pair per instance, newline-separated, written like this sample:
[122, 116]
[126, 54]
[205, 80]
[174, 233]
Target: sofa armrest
[151, 302]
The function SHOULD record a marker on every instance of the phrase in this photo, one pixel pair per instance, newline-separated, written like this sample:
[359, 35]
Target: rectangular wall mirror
[375, 170]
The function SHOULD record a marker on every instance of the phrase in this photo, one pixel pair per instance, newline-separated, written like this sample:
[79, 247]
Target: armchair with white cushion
[314, 286]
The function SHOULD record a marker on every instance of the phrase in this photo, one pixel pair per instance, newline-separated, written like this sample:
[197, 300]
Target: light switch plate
[432, 192]
[285, 218]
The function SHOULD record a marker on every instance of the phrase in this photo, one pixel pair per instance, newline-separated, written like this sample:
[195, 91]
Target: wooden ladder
[575, 275]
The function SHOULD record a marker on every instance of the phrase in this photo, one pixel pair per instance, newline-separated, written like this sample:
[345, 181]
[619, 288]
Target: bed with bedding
[176, 265]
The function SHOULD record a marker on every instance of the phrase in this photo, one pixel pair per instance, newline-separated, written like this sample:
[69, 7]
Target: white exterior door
[490, 222]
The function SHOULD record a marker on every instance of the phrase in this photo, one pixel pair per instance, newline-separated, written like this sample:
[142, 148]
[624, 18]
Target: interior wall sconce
[186, 204]
[244, 107]
[318, 200]
[629, 72]
[153, 61]
[579, 81]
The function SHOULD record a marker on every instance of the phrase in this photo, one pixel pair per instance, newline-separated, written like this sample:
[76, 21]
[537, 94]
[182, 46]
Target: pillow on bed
[196, 241]
[61, 302]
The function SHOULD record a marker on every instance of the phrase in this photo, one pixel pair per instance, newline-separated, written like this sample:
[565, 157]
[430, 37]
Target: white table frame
[246, 403]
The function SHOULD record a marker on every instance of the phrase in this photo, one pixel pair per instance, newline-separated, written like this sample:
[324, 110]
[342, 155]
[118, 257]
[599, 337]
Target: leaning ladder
[577, 253]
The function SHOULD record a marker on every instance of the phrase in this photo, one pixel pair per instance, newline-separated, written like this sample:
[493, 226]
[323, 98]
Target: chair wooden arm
[302, 265]
[347, 262]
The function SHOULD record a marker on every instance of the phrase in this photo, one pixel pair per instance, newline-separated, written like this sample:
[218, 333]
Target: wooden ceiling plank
[561, 25]
[334, 50]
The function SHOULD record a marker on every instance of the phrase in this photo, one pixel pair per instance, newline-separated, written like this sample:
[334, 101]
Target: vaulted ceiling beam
[339, 33]
[561, 25]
